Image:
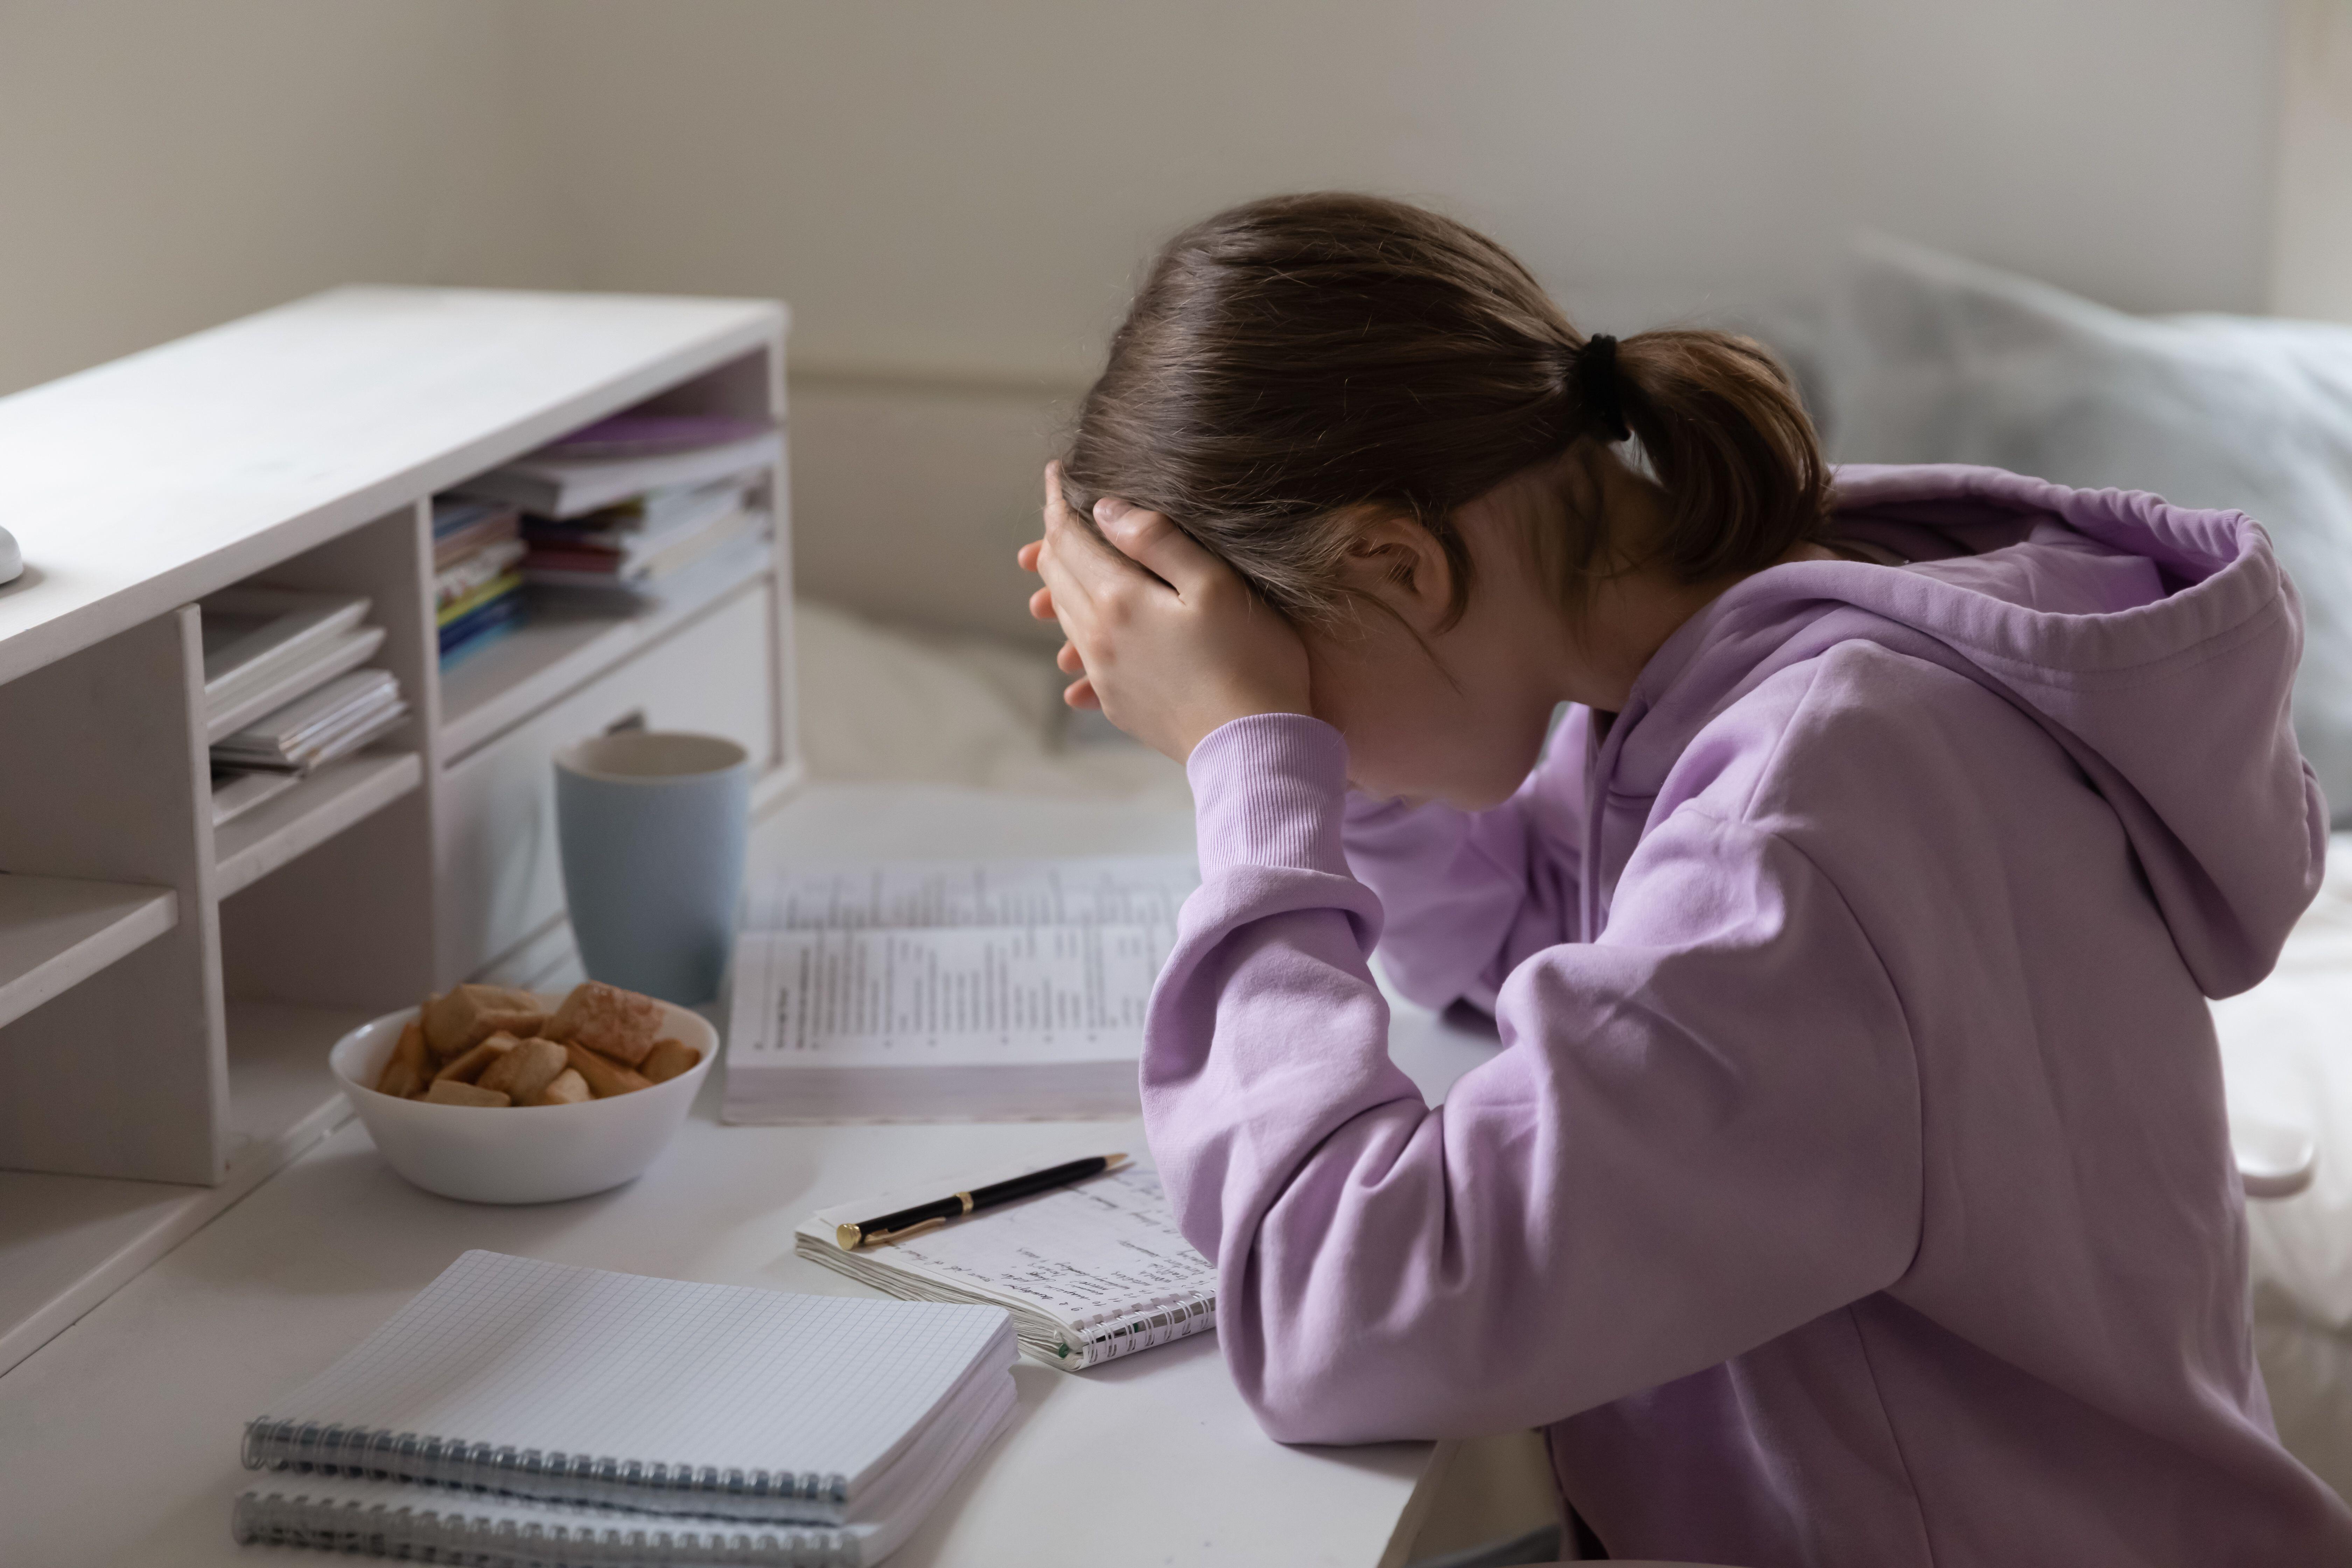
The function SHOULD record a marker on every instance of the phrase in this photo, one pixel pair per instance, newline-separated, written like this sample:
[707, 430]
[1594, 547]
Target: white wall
[960, 195]
[165, 165]
[2311, 265]
[955, 197]
[966, 189]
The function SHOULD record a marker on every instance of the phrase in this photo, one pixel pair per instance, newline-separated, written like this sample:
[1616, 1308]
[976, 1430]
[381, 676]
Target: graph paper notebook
[1090, 1272]
[741, 1407]
[968, 991]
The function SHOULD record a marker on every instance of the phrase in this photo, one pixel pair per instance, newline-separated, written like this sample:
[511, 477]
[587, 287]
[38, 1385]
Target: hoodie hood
[2157, 644]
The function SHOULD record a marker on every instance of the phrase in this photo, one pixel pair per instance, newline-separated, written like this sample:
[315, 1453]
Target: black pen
[922, 1216]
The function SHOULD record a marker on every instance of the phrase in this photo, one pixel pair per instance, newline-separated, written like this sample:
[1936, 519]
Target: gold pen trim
[847, 1238]
[965, 1199]
[880, 1237]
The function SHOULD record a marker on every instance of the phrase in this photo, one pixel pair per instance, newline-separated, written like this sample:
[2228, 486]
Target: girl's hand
[1165, 638]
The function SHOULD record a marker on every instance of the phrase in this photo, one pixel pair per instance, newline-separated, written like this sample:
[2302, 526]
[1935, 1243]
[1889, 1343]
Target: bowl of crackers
[500, 1096]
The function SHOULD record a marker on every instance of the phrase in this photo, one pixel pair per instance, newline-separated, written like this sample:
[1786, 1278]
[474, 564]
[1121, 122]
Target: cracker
[568, 1088]
[523, 1071]
[604, 1077]
[620, 1023]
[667, 1059]
[466, 1016]
[469, 1069]
[449, 1091]
[410, 1067]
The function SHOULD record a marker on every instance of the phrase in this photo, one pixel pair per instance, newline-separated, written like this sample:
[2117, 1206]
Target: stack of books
[623, 503]
[283, 690]
[533, 1415]
[478, 551]
[644, 538]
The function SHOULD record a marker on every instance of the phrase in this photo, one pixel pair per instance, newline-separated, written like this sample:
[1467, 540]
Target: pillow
[1930, 359]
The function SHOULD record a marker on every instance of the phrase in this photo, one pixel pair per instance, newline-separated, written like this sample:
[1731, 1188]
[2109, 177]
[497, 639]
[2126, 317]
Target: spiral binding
[308, 1446]
[1176, 1319]
[446, 1533]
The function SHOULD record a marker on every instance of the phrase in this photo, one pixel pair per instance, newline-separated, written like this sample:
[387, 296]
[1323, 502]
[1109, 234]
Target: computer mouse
[12, 559]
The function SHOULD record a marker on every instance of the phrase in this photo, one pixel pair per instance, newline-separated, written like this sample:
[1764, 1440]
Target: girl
[1852, 1187]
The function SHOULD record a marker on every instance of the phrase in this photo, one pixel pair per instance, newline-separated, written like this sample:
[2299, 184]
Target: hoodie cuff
[1269, 790]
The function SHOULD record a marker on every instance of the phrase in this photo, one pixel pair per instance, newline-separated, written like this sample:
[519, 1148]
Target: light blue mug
[652, 826]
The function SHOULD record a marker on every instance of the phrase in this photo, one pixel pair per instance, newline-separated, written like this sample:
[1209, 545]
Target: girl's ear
[1398, 562]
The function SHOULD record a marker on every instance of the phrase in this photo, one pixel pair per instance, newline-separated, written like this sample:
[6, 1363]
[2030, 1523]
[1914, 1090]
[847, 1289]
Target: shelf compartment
[248, 848]
[570, 639]
[281, 1095]
[57, 932]
[68, 1242]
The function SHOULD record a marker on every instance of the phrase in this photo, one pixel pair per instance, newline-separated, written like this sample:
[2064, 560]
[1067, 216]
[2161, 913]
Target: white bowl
[520, 1154]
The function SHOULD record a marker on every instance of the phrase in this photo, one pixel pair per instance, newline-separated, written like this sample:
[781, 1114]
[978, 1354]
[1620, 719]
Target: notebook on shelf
[1090, 1272]
[615, 1408]
[973, 991]
[253, 635]
[334, 721]
[557, 482]
[250, 700]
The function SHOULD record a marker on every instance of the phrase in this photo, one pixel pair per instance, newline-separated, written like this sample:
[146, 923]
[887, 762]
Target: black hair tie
[1594, 376]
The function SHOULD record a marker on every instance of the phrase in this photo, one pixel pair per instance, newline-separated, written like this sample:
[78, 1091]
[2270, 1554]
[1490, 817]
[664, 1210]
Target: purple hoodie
[1853, 1186]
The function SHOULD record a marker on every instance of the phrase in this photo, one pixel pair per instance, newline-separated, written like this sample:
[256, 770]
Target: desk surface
[118, 1441]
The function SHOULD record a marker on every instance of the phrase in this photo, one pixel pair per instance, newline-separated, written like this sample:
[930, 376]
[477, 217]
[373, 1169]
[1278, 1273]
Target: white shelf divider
[248, 848]
[57, 932]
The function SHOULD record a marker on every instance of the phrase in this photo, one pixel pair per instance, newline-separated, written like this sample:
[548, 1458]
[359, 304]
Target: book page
[1104, 1249]
[1125, 889]
[944, 996]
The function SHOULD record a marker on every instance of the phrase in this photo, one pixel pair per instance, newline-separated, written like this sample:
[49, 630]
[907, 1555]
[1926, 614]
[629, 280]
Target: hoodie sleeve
[1702, 1131]
[1468, 895]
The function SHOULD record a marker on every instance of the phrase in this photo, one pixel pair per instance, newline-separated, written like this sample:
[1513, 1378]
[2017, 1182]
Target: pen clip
[877, 1237]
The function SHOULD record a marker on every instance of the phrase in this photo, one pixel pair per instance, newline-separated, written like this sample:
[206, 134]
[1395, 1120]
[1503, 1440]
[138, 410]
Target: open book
[976, 990]
[618, 1419]
[1090, 1272]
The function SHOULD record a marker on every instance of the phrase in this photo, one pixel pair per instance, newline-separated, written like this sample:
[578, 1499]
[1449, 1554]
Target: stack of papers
[622, 504]
[642, 540]
[283, 690]
[265, 647]
[478, 552]
[333, 721]
[665, 453]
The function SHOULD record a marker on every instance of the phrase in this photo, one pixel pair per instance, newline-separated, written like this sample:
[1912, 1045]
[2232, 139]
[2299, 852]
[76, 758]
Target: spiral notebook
[611, 1408]
[1090, 1272]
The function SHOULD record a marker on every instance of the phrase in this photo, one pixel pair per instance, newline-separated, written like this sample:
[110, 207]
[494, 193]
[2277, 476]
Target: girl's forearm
[1629, 1192]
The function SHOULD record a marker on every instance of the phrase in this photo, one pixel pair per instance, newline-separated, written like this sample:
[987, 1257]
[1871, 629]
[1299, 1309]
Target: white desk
[119, 1438]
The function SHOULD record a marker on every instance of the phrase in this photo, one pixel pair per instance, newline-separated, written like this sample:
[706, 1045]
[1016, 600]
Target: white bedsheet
[888, 702]
[2286, 1054]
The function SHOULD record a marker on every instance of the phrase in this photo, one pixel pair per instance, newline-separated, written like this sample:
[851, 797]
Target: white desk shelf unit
[167, 991]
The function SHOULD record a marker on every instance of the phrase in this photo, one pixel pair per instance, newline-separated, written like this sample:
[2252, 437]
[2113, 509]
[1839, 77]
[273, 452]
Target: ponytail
[1736, 460]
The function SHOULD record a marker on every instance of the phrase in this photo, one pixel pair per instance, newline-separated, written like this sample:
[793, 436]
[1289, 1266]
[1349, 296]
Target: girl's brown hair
[1300, 358]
